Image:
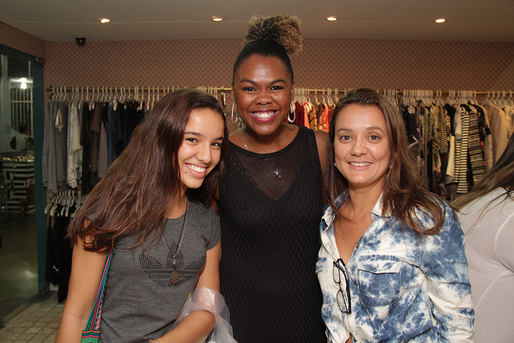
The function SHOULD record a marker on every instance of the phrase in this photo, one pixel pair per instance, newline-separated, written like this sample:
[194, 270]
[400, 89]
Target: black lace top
[270, 209]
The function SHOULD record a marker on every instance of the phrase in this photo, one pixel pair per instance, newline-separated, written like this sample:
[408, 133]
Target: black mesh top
[270, 209]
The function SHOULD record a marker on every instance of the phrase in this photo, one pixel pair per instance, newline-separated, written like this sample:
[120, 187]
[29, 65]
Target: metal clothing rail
[109, 89]
[103, 89]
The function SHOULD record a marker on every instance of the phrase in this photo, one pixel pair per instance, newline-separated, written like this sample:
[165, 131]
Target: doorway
[22, 223]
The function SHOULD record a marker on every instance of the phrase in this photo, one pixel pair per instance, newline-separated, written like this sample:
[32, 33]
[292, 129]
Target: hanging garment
[74, 161]
[475, 151]
[462, 155]
[58, 268]
[85, 142]
[499, 128]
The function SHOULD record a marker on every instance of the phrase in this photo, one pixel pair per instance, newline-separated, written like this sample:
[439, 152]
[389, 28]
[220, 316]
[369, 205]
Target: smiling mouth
[264, 115]
[360, 164]
[196, 168]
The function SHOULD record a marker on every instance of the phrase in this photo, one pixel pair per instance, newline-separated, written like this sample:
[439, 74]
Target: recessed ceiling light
[216, 18]
[440, 21]
[104, 20]
[331, 18]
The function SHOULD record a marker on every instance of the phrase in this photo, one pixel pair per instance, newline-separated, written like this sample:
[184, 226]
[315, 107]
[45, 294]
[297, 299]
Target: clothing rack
[109, 89]
[109, 93]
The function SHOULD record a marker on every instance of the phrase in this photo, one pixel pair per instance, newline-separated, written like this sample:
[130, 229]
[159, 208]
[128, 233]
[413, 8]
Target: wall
[322, 63]
[21, 41]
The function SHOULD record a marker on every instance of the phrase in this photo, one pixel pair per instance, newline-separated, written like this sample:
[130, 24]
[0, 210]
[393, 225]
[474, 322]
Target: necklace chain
[244, 139]
[275, 171]
[174, 274]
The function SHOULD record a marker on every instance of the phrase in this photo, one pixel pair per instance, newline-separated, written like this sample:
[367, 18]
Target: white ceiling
[63, 20]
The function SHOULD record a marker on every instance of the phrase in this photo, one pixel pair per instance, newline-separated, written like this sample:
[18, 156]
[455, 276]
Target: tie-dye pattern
[403, 287]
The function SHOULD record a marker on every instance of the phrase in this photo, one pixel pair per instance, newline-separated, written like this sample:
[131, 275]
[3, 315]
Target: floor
[37, 322]
[25, 315]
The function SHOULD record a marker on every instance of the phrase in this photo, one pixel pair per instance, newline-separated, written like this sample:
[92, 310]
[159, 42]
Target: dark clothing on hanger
[59, 252]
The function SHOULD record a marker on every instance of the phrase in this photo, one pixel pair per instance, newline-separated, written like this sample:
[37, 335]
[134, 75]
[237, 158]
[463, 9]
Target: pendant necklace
[275, 171]
[174, 274]
[244, 139]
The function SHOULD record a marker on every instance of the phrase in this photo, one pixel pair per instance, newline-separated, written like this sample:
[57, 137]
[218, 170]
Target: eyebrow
[254, 83]
[371, 128]
[197, 134]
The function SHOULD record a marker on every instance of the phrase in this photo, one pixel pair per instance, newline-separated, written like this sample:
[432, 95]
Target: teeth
[264, 115]
[197, 169]
[360, 164]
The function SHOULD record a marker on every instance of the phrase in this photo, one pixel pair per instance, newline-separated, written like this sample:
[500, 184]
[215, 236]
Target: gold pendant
[174, 277]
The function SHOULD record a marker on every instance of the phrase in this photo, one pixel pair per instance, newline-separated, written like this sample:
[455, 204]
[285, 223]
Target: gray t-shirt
[141, 302]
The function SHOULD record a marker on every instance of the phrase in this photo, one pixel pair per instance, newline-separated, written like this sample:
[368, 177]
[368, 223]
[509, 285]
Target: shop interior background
[386, 44]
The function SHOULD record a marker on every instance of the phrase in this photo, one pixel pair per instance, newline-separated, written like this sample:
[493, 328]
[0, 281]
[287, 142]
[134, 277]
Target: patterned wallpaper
[21, 41]
[322, 63]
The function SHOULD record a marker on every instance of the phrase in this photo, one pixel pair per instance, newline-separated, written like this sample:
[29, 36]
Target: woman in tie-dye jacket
[392, 266]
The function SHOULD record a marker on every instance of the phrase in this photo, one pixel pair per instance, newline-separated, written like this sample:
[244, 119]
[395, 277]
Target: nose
[204, 154]
[263, 98]
[358, 147]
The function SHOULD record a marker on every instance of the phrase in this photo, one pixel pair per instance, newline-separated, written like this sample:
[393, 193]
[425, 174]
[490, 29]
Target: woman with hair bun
[271, 199]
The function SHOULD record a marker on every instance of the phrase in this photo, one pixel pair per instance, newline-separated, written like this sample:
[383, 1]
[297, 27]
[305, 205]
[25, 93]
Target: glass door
[21, 251]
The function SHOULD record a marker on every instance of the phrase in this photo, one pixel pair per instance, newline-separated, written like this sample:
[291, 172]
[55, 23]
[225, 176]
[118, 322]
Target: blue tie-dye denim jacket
[403, 287]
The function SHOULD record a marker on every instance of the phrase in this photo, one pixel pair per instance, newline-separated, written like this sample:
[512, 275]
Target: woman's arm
[446, 268]
[199, 323]
[321, 142]
[86, 272]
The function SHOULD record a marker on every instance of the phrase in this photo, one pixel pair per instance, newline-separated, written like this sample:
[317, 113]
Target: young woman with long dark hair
[152, 209]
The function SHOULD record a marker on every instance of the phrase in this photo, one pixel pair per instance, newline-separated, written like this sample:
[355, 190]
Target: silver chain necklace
[275, 172]
[244, 139]
[174, 274]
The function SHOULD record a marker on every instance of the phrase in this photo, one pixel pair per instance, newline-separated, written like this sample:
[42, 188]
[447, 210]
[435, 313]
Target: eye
[344, 138]
[275, 88]
[191, 139]
[216, 144]
[374, 137]
[248, 89]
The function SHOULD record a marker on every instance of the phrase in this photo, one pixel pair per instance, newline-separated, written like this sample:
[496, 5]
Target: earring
[335, 164]
[232, 117]
[292, 109]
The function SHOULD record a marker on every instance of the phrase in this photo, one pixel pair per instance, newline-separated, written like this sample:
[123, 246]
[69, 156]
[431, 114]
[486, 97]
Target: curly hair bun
[283, 29]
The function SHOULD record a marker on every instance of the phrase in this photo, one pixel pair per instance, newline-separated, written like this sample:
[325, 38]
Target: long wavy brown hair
[138, 189]
[403, 189]
[501, 175]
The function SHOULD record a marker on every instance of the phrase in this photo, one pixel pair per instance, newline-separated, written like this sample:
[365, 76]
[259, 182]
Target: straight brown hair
[136, 193]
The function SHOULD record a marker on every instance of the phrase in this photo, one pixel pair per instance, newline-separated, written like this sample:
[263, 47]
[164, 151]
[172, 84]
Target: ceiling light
[216, 18]
[104, 20]
[23, 83]
[331, 18]
[440, 21]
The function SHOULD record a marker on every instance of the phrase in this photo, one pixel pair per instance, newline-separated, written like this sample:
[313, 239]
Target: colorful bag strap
[93, 322]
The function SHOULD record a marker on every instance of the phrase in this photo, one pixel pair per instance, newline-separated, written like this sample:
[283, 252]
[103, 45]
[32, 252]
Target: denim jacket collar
[330, 213]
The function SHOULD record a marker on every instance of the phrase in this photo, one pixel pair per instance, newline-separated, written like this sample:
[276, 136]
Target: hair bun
[283, 29]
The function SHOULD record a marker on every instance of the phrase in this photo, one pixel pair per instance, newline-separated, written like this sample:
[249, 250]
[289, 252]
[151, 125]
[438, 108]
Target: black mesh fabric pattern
[270, 209]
